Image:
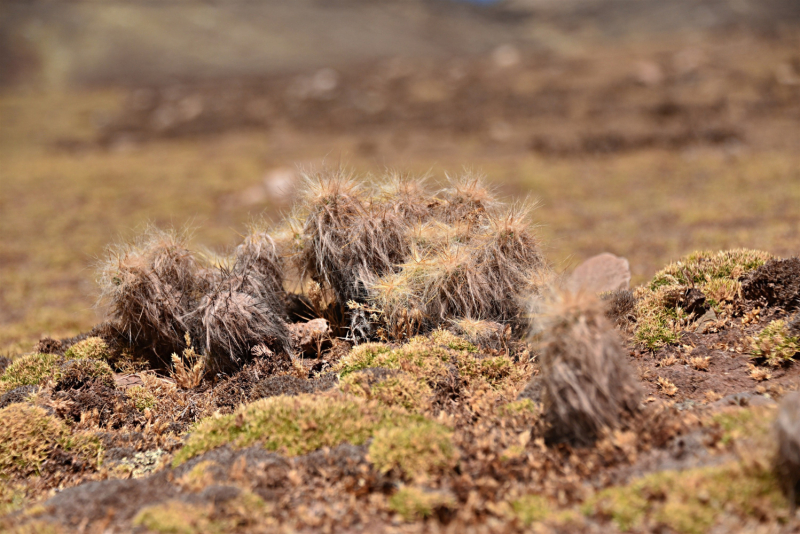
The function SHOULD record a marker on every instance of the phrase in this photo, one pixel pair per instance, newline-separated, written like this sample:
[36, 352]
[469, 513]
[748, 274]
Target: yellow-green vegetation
[400, 389]
[660, 317]
[774, 345]
[29, 370]
[415, 356]
[175, 517]
[414, 503]
[90, 348]
[691, 501]
[12, 498]
[28, 435]
[141, 397]
[80, 371]
[416, 449]
[531, 508]
[294, 425]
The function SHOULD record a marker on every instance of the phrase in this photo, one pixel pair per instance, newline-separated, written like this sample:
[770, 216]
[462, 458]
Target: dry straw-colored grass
[588, 385]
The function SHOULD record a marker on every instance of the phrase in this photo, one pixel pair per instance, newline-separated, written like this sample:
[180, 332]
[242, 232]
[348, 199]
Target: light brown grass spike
[588, 384]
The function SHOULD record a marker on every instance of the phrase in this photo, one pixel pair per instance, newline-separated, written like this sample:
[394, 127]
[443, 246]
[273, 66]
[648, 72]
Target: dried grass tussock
[151, 287]
[588, 384]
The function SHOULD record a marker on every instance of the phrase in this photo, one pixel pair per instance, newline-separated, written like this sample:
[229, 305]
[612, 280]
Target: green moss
[450, 340]
[294, 425]
[691, 501]
[141, 397]
[716, 274]
[175, 517]
[701, 267]
[774, 344]
[28, 370]
[416, 449]
[494, 370]
[93, 348]
[531, 509]
[413, 503]
[402, 389]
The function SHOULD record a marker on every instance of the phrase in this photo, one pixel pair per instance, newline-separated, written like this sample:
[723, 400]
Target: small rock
[127, 381]
[601, 273]
[311, 337]
[708, 319]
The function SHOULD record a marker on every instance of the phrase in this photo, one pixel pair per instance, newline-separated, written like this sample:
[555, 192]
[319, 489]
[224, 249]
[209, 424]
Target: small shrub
[235, 322]
[413, 503]
[588, 385]
[416, 450]
[774, 344]
[29, 370]
[92, 348]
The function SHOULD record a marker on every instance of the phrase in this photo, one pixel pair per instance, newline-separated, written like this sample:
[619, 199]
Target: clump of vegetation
[415, 450]
[662, 309]
[74, 374]
[91, 348]
[294, 425]
[415, 503]
[236, 320]
[690, 501]
[531, 509]
[29, 370]
[141, 397]
[348, 236]
[787, 460]
[152, 287]
[777, 282]
[29, 435]
[588, 385]
[774, 344]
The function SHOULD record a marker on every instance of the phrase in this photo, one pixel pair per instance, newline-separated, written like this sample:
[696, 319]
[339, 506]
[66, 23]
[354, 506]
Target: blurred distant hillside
[65, 43]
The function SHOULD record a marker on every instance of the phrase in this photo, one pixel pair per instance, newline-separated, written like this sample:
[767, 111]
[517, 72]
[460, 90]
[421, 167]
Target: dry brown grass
[787, 427]
[151, 288]
[588, 385]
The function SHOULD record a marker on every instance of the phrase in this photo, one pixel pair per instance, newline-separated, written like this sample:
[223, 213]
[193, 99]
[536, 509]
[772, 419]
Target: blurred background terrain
[647, 128]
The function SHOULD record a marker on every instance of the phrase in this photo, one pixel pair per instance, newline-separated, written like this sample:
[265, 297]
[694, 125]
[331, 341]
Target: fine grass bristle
[588, 385]
[151, 287]
[467, 198]
[349, 238]
[236, 320]
[258, 255]
[407, 196]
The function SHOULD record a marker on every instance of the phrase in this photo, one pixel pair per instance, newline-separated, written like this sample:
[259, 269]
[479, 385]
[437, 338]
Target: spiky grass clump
[787, 460]
[151, 287]
[479, 272]
[348, 237]
[236, 320]
[774, 344]
[258, 261]
[468, 198]
[588, 385]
